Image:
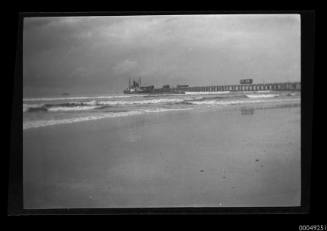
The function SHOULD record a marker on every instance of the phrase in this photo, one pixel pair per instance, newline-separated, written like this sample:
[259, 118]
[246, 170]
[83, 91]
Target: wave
[208, 102]
[162, 95]
[33, 107]
[233, 102]
[214, 102]
[165, 109]
[263, 91]
[293, 94]
[101, 104]
[262, 96]
[206, 92]
[79, 98]
[73, 108]
[150, 101]
[220, 97]
[93, 104]
[44, 123]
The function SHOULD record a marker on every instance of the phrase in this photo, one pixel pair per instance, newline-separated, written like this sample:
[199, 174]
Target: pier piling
[287, 86]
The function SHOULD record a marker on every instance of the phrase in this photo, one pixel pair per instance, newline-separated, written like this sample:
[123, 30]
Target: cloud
[198, 49]
[125, 67]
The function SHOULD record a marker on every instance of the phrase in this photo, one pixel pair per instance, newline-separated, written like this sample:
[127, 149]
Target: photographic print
[162, 111]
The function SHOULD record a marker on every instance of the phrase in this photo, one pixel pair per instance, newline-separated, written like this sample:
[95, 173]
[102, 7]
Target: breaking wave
[74, 108]
[31, 107]
[97, 104]
[262, 96]
[58, 107]
[44, 123]
[150, 101]
[122, 106]
[94, 104]
[206, 92]
[79, 98]
[233, 102]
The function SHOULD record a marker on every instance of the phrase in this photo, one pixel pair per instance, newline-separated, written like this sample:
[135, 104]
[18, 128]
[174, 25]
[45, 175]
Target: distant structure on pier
[246, 81]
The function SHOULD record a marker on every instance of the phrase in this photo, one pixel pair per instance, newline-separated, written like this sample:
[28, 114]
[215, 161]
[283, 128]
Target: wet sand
[236, 156]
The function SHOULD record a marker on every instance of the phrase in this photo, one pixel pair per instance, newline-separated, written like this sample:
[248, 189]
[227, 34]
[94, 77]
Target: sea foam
[44, 123]
[149, 101]
[73, 108]
[80, 98]
[233, 102]
[28, 107]
[206, 92]
[255, 96]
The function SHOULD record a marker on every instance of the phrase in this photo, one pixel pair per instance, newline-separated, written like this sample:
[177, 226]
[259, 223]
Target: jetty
[244, 85]
[284, 86]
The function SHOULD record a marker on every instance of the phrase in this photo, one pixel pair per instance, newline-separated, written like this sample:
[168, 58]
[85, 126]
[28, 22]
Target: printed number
[312, 227]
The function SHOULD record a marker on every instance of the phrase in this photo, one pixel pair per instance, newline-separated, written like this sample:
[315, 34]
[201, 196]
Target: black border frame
[15, 192]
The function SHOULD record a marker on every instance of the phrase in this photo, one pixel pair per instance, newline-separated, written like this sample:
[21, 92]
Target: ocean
[227, 149]
[40, 112]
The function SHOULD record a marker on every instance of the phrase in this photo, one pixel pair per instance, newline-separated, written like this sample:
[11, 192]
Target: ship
[135, 87]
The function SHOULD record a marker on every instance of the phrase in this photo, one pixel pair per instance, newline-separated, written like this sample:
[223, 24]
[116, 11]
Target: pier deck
[286, 86]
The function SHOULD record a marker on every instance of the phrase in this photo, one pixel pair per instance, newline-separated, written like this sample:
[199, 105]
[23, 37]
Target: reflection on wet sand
[247, 111]
[250, 110]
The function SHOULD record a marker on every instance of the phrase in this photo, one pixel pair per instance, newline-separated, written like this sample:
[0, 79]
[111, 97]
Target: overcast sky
[97, 55]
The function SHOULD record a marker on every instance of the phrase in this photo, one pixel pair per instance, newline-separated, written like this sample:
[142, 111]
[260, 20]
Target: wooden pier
[286, 86]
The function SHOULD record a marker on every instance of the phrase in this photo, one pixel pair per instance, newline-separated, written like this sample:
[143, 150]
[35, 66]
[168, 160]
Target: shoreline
[256, 104]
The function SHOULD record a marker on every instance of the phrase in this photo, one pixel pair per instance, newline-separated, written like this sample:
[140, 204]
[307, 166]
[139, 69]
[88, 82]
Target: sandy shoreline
[243, 156]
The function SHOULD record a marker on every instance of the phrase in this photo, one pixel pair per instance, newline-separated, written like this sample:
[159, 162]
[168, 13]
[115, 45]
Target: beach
[243, 155]
[163, 111]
